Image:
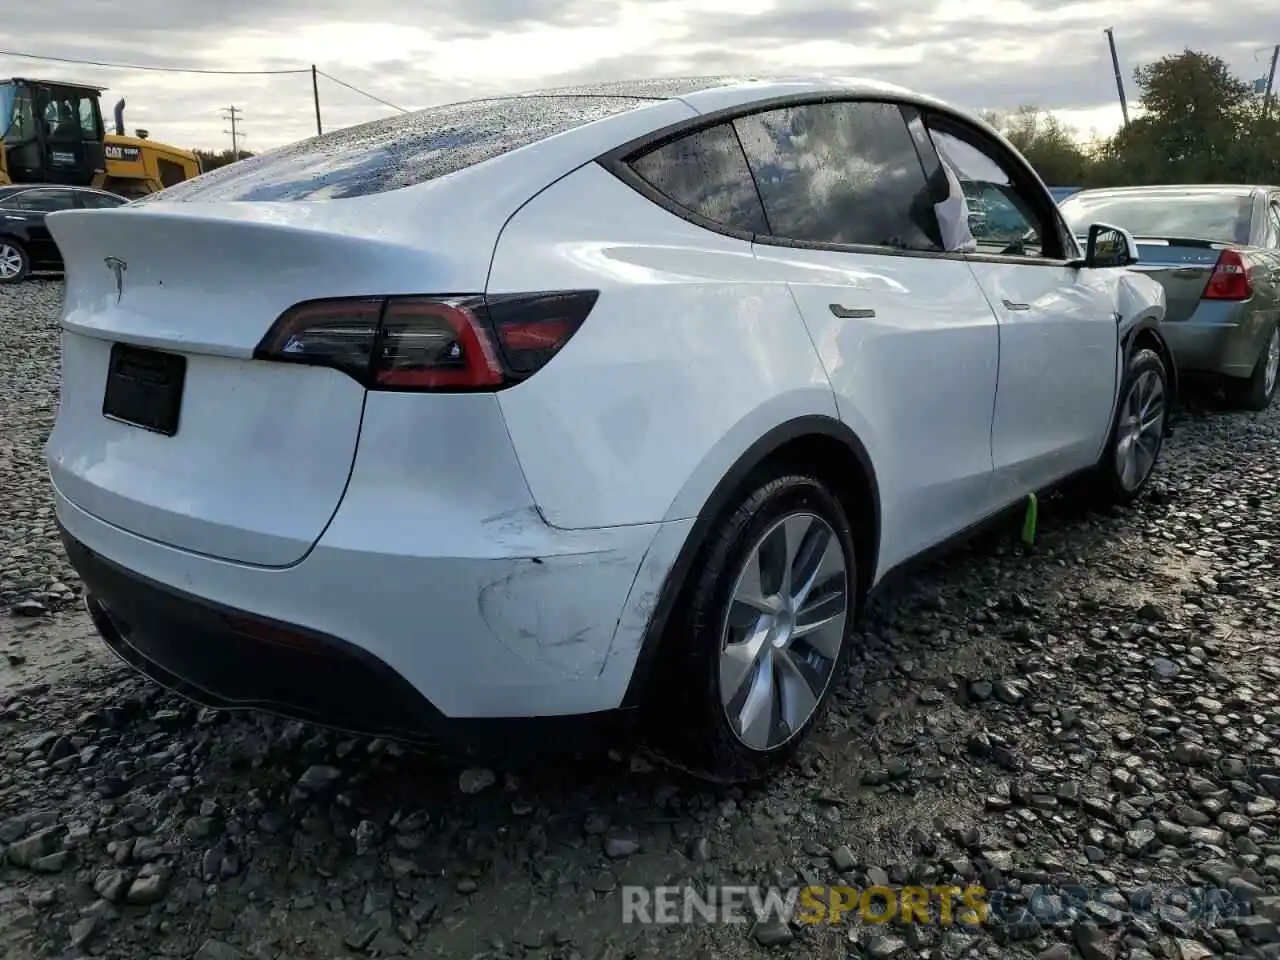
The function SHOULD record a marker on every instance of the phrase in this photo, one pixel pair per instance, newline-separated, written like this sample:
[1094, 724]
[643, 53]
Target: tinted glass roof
[417, 147]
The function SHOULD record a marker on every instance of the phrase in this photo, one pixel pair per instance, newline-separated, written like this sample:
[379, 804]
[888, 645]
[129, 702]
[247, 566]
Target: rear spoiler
[1186, 242]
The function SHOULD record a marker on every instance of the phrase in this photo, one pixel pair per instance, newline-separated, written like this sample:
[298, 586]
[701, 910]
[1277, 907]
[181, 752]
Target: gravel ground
[1101, 711]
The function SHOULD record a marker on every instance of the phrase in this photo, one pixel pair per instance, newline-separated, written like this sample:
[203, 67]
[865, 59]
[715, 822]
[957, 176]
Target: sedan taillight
[1230, 279]
[463, 343]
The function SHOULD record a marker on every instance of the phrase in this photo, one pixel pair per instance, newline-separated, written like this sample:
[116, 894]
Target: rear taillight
[430, 343]
[1230, 280]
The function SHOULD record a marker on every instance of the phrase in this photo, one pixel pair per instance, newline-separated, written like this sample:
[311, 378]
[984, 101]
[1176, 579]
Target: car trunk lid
[168, 427]
[1183, 266]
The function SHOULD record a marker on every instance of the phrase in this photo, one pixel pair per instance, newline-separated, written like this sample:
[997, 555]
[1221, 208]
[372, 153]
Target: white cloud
[984, 54]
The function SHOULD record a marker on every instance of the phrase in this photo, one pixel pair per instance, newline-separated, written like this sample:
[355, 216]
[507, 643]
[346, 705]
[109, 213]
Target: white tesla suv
[575, 402]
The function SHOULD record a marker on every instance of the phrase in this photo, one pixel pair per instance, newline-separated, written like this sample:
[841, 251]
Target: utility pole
[1115, 65]
[1271, 81]
[315, 95]
[233, 114]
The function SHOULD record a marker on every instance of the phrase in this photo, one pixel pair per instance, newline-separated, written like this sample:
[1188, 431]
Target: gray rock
[318, 778]
[25, 852]
[615, 848]
[82, 931]
[885, 948]
[842, 859]
[476, 779]
[148, 888]
[110, 885]
[217, 950]
[1092, 942]
[772, 933]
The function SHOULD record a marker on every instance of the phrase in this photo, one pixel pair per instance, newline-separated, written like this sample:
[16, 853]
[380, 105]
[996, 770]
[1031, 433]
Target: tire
[15, 263]
[1255, 391]
[689, 721]
[1145, 388]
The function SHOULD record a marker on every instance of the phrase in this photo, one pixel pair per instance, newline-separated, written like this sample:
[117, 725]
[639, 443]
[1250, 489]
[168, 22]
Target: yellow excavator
[52, 132]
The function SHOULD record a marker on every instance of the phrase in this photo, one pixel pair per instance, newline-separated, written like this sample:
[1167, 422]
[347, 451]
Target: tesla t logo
[117, 267]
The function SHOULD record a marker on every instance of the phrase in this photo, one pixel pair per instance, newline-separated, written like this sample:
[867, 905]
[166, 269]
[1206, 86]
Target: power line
[225, 73]
[138, 66]
[363, 93]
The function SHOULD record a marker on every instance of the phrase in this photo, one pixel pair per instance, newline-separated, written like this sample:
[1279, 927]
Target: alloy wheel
[10, 261]
[1141, 429]
[1272, 367]
[784, 630]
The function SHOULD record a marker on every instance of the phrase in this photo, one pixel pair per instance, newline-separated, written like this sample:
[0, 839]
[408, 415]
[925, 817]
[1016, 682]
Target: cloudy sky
[986, 54]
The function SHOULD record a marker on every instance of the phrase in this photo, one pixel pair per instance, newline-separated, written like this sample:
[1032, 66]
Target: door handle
[851, 313]
[1010, 305]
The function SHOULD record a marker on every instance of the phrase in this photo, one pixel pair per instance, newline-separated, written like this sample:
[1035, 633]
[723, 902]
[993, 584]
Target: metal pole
[315, 94]
[232, 114]
[1115, 65]
[1271, 80]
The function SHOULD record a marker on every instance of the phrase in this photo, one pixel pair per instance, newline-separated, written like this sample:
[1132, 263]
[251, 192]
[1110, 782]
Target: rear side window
[44, 200]
[398, 151]
[842, 173]
[707, 174]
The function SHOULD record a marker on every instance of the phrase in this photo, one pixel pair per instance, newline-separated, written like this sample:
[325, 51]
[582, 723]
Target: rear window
[399, 151]
[1220, 217]
[706, 172]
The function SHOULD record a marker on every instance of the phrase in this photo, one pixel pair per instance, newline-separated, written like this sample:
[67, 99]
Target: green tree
[213, 159]
[1048, 144]
[1199, 124]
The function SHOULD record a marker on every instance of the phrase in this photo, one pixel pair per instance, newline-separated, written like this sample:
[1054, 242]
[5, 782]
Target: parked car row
[1216, 251]
[25, 242]
[613, 400]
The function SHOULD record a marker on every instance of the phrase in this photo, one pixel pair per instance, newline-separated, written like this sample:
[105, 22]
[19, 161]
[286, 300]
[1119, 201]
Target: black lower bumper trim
[228, 659]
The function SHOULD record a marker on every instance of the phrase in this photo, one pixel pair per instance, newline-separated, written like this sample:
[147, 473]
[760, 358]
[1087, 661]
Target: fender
[719, 500]
[1150, 325]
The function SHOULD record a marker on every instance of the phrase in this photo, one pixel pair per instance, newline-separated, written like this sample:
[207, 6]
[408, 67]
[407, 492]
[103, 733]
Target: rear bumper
[384, 643]
[223, 657]
[1223, 339]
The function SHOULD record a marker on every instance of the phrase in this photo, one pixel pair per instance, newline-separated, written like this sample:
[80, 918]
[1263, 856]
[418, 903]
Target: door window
[22, 123]
[840, 173]
[88, 119]
[45, 200]
[1001, 218]
[62, 119]
[706, 173]
[1275, 224]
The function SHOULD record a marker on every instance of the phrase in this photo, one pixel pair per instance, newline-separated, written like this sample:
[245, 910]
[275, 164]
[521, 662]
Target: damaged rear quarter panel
[553, 610]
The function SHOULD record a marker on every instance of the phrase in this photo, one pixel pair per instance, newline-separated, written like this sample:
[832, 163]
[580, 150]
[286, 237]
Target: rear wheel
[1137, 434]
[14, 262]
[1255, 392]
[760, 636]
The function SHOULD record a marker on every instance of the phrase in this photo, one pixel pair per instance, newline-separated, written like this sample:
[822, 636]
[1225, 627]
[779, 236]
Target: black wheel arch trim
[1151, 325]
[730, 484]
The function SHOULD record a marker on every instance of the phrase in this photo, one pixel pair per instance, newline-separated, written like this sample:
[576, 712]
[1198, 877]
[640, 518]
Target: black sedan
[25, 243]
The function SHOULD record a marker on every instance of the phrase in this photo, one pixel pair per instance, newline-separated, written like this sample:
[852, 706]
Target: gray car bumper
[1219, 338]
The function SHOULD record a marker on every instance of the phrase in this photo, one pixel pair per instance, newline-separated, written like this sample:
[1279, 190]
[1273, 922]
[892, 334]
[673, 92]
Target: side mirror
[1110, 246]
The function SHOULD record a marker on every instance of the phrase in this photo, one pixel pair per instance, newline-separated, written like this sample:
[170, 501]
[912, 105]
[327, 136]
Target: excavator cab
[52, 132]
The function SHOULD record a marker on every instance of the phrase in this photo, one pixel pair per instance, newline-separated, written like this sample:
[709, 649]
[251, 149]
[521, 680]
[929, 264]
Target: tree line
[1199, 123]
[213, 159]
